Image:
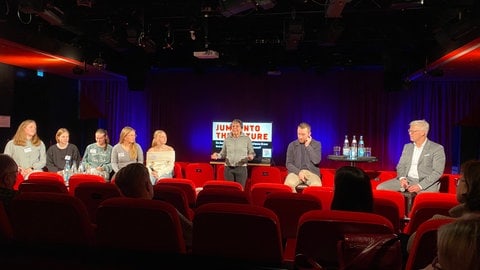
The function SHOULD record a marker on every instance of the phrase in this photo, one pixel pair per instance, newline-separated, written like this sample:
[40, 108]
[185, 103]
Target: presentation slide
[259, 132]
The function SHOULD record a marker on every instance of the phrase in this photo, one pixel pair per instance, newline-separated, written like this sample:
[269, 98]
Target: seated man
[303, 158]
[421, 165]
[133, 181]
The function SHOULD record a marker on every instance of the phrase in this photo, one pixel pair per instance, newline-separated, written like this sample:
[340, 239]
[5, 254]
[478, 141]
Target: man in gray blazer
[421, 165]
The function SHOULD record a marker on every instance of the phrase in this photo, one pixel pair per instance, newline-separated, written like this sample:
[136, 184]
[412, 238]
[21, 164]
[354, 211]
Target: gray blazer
[431, 163]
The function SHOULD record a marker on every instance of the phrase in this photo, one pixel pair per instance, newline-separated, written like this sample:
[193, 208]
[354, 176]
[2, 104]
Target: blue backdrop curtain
[342, 102]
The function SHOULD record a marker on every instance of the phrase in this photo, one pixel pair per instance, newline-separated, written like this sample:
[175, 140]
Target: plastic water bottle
[361, 147]
[346, 147]
[353, 148]
[66, 171]
[74, 168]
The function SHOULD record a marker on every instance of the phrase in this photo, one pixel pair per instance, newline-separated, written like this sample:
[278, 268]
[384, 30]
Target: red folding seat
[177, 170]
[320, 230]
[239, 232]
[6, 232]
[289, 206]
[78, 178]
[390, 204]
[259, 191]
[46, 175]
[186, 184]
[424, 246]
[139, 225]
[42, 185]
[265, 174]
[324, 194]
[93, 193]
[51, 219]
[426, 205]
[328, 176]
[212, 195]
[199, 172]
[175, 196]
[222, 184]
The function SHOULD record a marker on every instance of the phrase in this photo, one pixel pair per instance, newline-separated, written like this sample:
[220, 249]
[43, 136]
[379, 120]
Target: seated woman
[353, 190]
[59, 153]
[96, 159]
[160, 157]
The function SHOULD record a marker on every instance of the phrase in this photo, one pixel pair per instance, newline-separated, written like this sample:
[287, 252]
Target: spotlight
[99, 63]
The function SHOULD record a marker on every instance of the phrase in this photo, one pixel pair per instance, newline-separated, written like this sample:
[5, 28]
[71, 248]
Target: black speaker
[136, 80]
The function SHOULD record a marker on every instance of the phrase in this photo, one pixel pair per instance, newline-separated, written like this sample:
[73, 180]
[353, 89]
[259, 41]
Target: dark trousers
[236, 173]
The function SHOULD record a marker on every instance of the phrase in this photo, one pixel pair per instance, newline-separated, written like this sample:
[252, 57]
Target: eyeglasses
[435, 264]
[412, 131]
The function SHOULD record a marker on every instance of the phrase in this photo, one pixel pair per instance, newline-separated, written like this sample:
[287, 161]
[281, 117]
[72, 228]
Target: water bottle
[346, 147]
[66, 171]
[361, 147]
[353, 148]
[74, 169]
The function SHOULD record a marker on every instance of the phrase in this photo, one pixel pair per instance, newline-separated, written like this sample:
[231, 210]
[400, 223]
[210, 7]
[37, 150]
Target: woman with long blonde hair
[127, 150]
[27, 149]
[160, 157]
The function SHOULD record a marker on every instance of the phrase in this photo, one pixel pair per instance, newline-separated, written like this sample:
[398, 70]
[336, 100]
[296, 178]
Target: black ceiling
[255, 35]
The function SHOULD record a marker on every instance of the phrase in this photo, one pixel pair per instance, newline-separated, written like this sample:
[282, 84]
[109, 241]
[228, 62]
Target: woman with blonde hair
[160, 157]
[27, 149]
[127, 150]
[63, 150]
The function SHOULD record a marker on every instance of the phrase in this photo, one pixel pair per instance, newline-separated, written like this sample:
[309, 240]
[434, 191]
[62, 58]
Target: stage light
[99, 63]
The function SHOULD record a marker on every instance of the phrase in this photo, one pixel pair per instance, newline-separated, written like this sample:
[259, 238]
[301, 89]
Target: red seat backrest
[219, 231]
[42, 185]
[139, 225]
[424, 246]
[174, 195]
[93, 193]
[217, 195]
[320, 230]
[324, 194]
[199, 172]
[265, 174]
[186, 184]
[222, 184]
[259, 191]
[390, 204]
[426, 205]
[51, 218]
[78, 178]
[289, 206]
[46, 175]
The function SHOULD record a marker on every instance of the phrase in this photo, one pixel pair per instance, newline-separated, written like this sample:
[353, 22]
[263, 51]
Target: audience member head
[8, 171]
[468, 188]
[133, 181]
[27, 131]
[352, 190]
[458, 244]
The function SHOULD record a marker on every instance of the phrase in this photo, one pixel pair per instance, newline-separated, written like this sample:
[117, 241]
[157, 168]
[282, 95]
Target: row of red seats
[226, 230]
